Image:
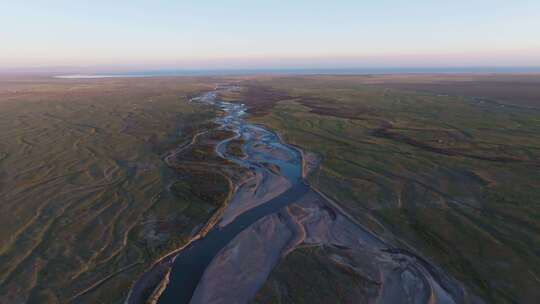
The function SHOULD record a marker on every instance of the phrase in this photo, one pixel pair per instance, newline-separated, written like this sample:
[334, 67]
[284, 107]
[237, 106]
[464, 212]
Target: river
[191, 262]
[305, 216]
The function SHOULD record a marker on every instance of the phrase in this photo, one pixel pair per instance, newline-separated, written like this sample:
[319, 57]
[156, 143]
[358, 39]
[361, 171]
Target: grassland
[99, 178]
[452, 173]
[86, 202]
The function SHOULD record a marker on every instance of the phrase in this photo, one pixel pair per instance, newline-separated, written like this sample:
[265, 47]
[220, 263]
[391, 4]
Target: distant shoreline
[96, 76]
[351, 71]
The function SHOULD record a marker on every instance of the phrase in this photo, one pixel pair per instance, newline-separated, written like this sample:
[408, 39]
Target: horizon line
[154, 72]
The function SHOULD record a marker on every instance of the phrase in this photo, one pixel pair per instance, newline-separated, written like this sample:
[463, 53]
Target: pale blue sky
[240, 34]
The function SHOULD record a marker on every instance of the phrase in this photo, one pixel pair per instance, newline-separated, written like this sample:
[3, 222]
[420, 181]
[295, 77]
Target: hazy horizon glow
[268, 34]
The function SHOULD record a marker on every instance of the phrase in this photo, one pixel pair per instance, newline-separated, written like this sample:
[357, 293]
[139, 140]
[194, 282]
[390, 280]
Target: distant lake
[342, 71]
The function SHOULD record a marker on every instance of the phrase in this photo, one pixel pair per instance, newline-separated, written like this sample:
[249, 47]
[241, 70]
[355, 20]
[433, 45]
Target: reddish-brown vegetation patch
[260, 100]
[517, 90]
[327, 106]
[388, 134]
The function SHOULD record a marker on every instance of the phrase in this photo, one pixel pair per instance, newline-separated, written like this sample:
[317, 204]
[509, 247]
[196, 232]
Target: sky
[207, 34]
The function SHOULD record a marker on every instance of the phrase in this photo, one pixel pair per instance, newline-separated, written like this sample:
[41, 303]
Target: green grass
[309, 275]
[84, 205]
[83, 190]
[457, 180]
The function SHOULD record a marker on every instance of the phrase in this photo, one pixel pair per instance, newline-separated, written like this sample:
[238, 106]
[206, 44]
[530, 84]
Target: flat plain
[99, 178]
[86, 202]
[447, 163]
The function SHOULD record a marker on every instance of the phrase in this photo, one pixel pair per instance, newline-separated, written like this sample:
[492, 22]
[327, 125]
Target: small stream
[263, 150]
